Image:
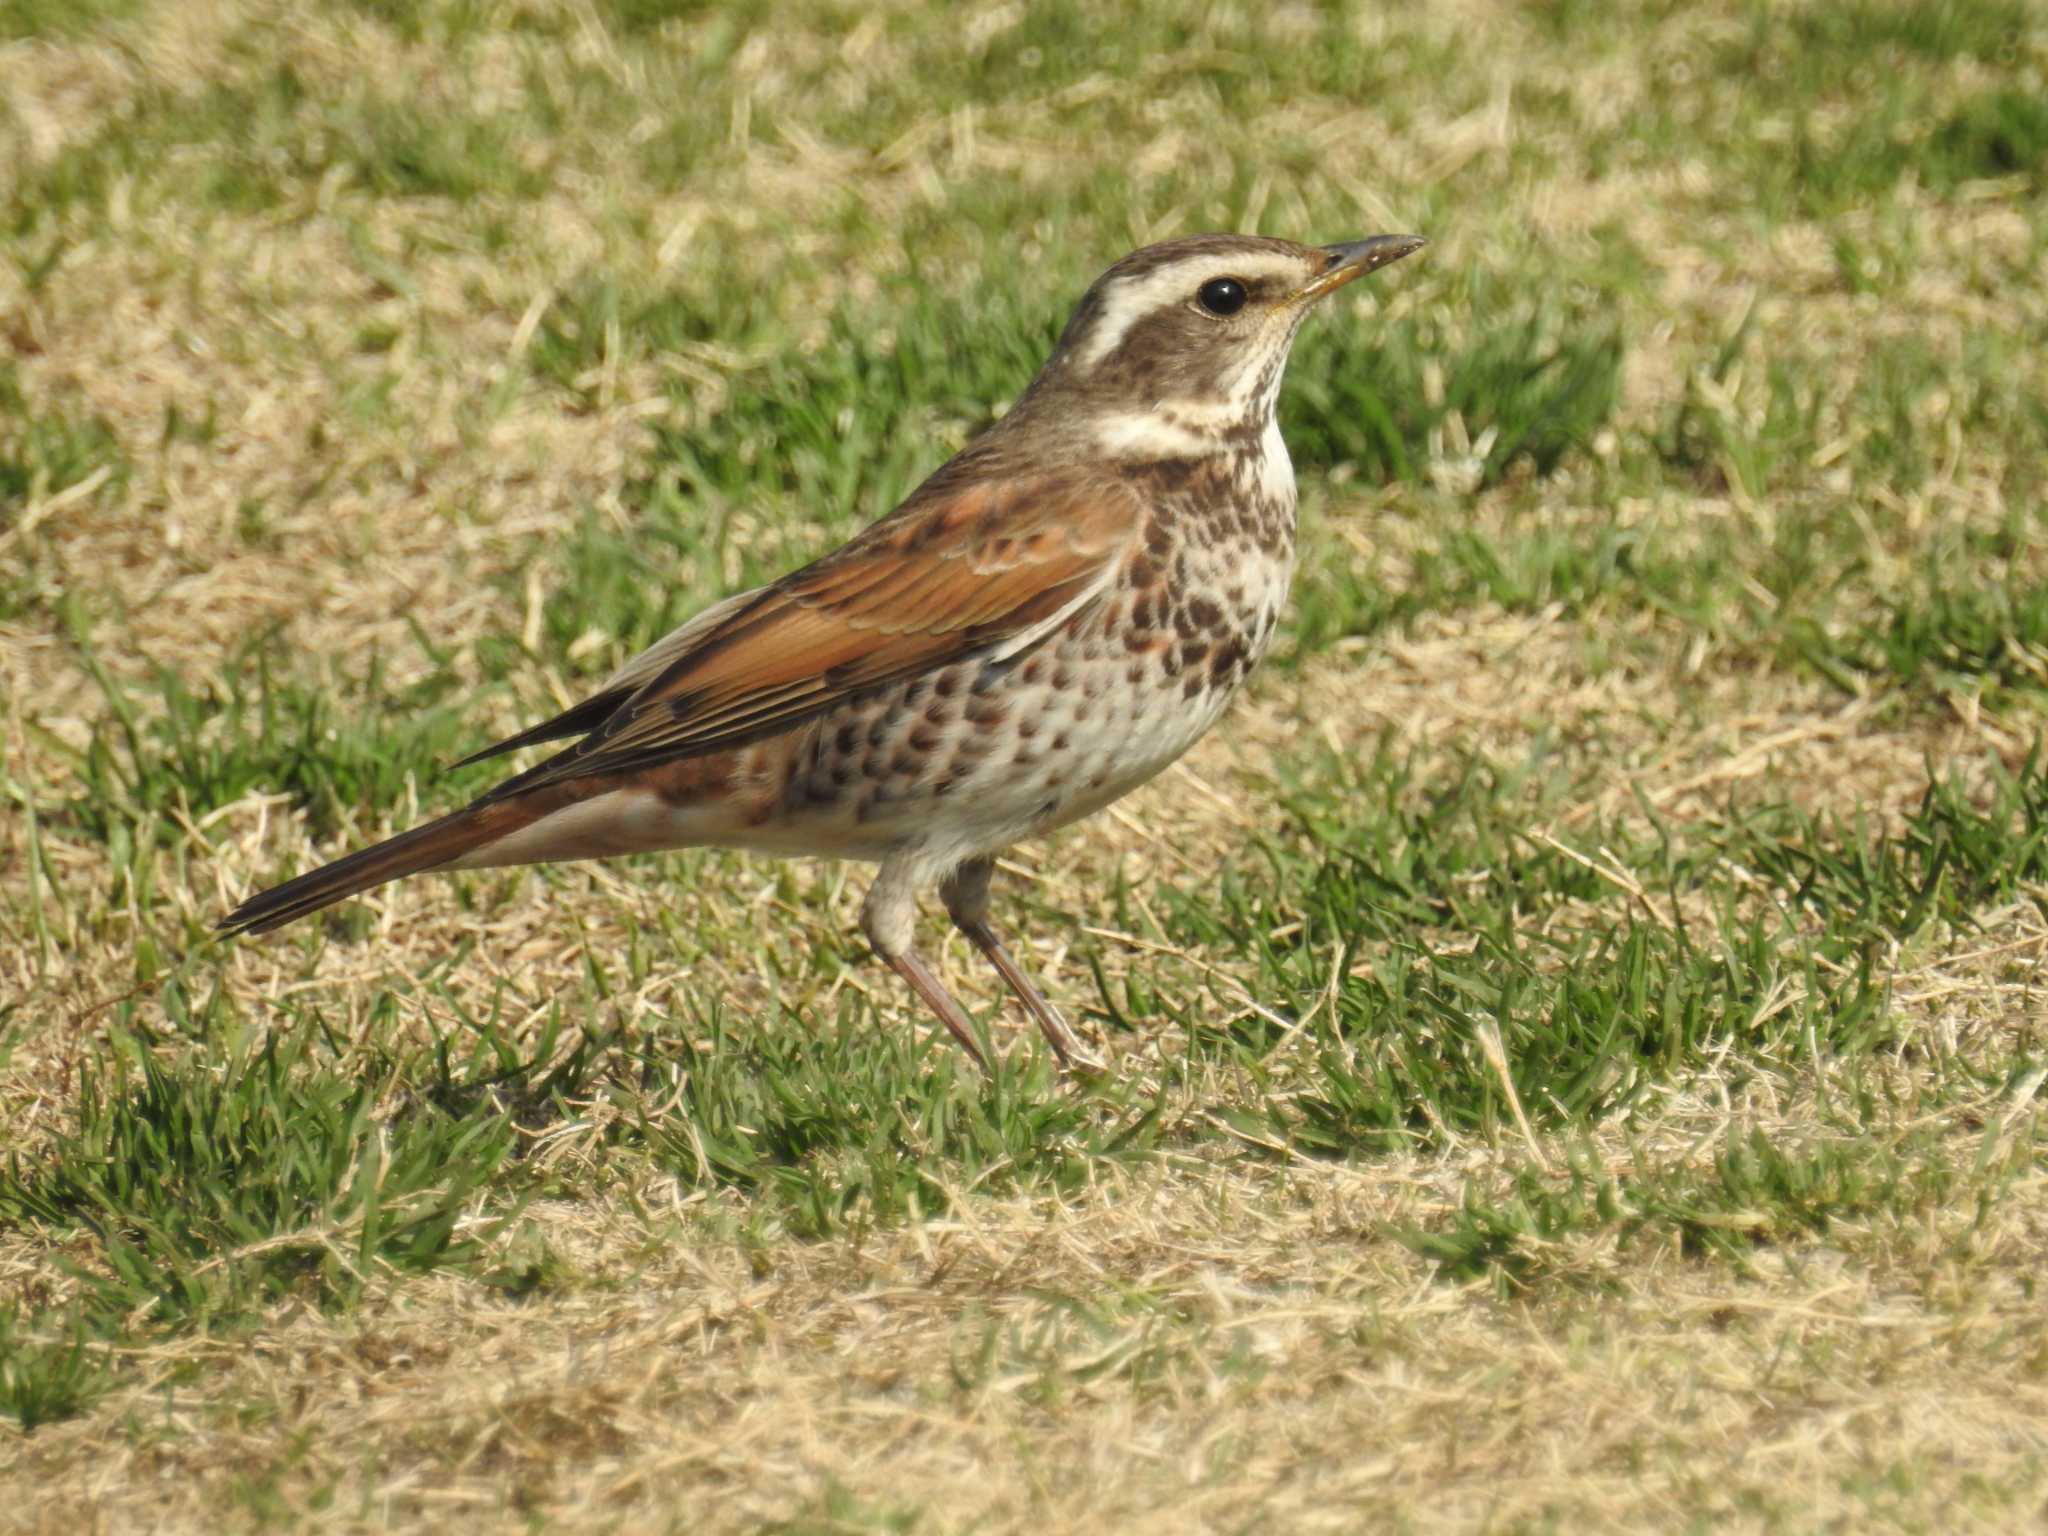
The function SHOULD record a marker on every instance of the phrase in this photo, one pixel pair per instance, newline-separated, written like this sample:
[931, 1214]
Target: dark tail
[428, 847]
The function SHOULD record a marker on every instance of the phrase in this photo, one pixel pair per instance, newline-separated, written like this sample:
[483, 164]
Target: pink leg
[939, 1000]
[966, 896]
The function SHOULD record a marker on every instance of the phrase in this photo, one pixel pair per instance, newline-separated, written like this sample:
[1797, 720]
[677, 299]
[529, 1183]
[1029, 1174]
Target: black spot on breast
[1171, 474]
[1227, 664]
[1191, 654]
[1205, 614]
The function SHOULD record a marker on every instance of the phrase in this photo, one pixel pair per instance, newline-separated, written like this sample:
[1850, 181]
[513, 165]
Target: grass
[1577, 1032]
[207, 1195]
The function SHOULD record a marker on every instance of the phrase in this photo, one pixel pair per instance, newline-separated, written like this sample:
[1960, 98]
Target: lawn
[1577, 1033]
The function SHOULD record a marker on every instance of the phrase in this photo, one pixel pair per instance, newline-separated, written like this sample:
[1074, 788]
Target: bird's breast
[999, 746]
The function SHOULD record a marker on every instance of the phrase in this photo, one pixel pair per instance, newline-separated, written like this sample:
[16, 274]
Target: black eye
[1221, 295]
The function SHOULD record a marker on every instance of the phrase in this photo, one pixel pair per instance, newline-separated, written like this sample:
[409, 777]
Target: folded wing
[991, 565]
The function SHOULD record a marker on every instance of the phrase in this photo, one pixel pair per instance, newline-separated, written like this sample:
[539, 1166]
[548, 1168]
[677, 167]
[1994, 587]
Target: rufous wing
[991, 565]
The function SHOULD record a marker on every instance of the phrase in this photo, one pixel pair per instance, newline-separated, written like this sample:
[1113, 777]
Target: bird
[1053, 617]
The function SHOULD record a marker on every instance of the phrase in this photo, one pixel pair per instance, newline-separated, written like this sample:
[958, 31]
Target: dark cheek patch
[1167, 353]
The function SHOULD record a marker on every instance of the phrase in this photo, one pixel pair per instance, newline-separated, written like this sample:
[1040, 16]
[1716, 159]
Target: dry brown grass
[1280, 1361]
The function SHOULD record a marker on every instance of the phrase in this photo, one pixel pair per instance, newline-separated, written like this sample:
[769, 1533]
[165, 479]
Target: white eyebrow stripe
[1125, 300]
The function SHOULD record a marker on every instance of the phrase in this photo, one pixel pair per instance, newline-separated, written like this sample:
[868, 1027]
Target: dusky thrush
[1052, 618]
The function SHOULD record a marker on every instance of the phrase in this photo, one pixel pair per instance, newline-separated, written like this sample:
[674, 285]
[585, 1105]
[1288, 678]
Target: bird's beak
[1355, 259]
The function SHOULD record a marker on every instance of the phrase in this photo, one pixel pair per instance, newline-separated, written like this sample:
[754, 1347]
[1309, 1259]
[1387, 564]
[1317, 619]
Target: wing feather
[582, 718]
[993, 566]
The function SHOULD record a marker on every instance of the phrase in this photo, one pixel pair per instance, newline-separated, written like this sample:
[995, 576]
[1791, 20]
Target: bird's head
[1180, 346]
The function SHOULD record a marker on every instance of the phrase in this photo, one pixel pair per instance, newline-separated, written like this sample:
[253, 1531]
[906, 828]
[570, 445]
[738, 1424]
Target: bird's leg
[889, 916]
[966, 896]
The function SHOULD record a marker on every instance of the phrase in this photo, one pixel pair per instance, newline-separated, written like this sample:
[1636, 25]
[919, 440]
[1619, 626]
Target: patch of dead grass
[1278, 1359]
